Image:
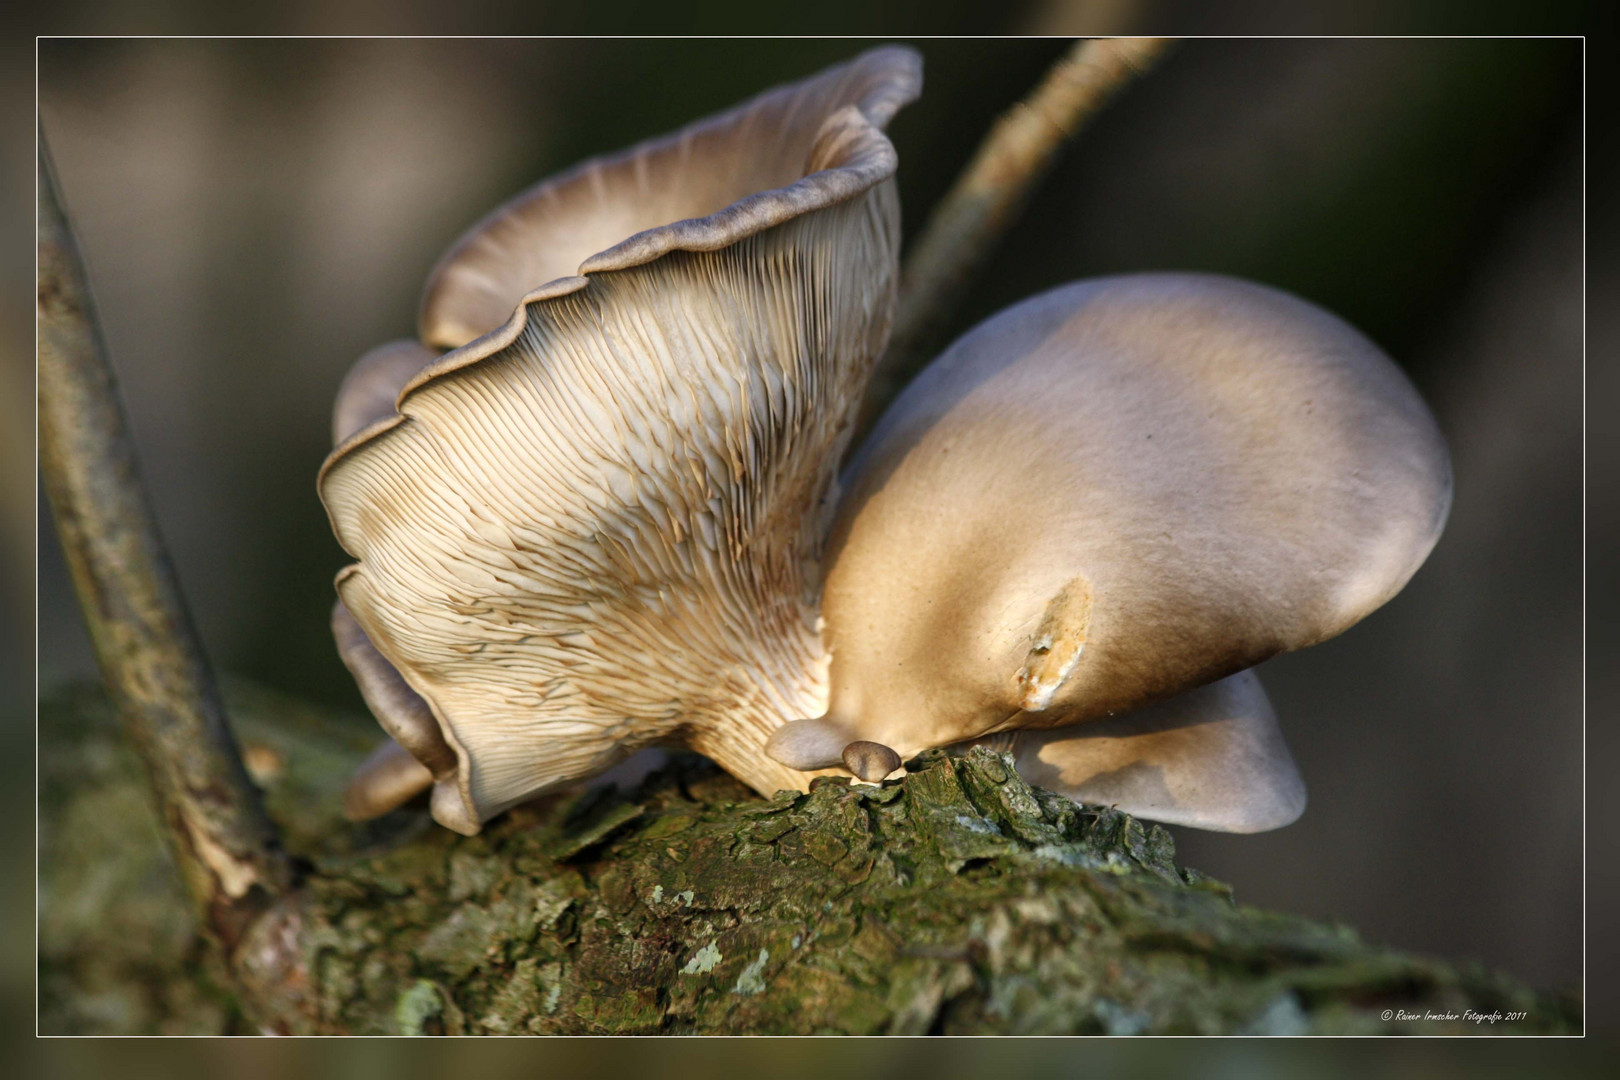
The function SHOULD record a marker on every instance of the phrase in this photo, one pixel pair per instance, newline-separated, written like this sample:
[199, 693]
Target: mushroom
[370, 389]
[416, 752]
[1211, 758]
[595, 524]
[1111, 493]
[870, 761]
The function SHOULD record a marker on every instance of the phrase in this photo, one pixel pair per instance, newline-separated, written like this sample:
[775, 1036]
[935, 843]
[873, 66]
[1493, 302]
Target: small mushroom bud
[870, 761]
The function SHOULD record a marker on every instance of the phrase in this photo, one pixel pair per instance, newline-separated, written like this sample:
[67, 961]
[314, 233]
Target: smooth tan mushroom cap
[1212, 758]
[1110, 493]
[870, 761]
[597, 527]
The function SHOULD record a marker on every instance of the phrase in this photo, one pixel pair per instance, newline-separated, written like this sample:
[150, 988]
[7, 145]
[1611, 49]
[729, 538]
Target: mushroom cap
[371, 387]
[870, 761]
[1211, 758]
[598, 526]
[393, 775]
[390, 777]
[783, 153]
[1110, 493]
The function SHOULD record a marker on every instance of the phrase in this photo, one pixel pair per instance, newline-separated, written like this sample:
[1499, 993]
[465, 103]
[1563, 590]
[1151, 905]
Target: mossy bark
[957, 900]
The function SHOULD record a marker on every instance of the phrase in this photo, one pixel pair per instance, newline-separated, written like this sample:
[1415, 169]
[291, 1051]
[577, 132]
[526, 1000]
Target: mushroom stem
[227, 849]
[987, 198]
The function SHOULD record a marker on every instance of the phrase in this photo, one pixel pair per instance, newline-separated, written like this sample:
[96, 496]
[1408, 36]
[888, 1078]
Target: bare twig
[227, 848]
[990, 193]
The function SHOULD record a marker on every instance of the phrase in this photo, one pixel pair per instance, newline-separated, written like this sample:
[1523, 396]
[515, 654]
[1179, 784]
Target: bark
[957, 900]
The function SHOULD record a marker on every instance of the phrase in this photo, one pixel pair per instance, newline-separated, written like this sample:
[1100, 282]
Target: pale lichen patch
[705, 960]
[752, 980]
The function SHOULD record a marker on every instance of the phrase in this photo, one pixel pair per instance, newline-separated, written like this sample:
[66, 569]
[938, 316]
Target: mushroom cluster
[596, 506]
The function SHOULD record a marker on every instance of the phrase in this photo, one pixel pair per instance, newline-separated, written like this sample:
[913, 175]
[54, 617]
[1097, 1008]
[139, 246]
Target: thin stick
[990, 193]
[154, 668]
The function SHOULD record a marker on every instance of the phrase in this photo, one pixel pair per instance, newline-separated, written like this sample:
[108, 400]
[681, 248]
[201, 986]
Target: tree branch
[149, 655]
[989, 195]
[958, 900]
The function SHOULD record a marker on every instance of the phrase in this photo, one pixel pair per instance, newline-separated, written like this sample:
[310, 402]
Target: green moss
[956, 900]
[425, 1009]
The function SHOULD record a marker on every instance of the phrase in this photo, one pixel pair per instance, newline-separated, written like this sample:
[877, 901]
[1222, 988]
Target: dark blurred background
[256, 214]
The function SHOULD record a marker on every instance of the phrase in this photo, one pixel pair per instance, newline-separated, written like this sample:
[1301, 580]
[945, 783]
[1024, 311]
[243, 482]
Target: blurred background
[256, 214]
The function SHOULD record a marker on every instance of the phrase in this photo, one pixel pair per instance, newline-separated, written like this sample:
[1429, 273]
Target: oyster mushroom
[1109, 494]
[595, 524]
[372, 386]
[870, 761]
[1211, 758]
